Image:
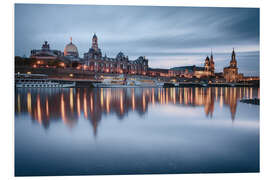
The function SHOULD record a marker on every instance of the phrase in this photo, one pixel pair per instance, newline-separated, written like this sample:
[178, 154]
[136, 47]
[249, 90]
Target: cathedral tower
[233, 62]
[95, 42]
[212, 63]
[207, 64]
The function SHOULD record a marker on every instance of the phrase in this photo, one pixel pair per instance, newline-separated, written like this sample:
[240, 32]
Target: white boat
[39, 81]
[123, 82]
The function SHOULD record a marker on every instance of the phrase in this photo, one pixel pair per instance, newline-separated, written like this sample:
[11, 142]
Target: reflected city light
[133, 99]
[108, 99]
[121, 101]
[153, 96]
[101, 97]
[91, 103]
[47, 107]
[39, 118]
[63, 113]
[71, 99]
[29, 103]
[19, 103]
[85, 104]
[78, 104]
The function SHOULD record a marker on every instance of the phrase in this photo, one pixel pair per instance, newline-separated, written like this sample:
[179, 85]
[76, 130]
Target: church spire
[95, 42]
[211, 57]
[233, 54]
[233, 62]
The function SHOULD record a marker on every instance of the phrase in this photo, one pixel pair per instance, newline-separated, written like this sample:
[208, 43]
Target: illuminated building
[231, 72]
[208, 69]
[94, 61]
[190, 71]
[71, 52]
[45, 53]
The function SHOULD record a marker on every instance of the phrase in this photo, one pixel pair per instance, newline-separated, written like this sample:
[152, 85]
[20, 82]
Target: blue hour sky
[167, 36]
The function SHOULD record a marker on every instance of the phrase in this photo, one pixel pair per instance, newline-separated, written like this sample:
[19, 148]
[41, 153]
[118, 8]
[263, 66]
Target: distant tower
[230, 73]
[233, 62]
[207, 64]
[212, 63]
[95, 42]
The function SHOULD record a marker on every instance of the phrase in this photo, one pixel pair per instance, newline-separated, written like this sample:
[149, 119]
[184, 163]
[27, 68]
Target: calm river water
[80, 131]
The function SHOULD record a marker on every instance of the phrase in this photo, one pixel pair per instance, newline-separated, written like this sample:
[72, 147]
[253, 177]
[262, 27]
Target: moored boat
[40, 81]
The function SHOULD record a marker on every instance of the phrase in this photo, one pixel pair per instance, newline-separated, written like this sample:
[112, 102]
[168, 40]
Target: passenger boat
[40, 81]
[120, 82]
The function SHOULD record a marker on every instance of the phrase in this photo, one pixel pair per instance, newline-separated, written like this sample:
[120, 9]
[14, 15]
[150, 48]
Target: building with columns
[94, 61]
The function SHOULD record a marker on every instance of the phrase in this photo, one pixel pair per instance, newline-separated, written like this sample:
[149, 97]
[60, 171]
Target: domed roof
[70, 49]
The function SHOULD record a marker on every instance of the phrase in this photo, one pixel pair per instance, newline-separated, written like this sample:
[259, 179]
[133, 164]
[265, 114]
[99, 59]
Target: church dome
[71, 50]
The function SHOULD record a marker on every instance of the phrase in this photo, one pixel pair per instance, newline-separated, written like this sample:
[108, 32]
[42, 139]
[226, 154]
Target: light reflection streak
[85, 104]
[19, 103]
[78, 104]
[29, 103]
[133, 99]
[47, 107]
[108, 99]
[71, 99]
[101, 97]
[91, 102]
[63, 113]
[121, 102]
[153, 96]
[39, 110]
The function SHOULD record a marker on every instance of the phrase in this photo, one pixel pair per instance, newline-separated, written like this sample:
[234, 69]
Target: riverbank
[254, 101]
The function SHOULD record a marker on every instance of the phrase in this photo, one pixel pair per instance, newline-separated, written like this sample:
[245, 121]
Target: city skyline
[163, 34]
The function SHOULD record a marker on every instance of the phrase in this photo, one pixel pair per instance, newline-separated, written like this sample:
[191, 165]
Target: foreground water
[82, 131]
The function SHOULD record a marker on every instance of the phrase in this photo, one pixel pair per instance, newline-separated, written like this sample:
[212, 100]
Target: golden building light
[61, 64]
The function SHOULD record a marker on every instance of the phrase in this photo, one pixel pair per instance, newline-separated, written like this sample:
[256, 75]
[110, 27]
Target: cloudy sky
[167, 36]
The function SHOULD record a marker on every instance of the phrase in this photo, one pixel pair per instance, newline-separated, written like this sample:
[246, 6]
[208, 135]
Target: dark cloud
[171, 34]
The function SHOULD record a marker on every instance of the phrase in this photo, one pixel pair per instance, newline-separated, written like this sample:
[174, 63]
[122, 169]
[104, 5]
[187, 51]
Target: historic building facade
[207, 70]
[230, 73]
[45, 53]
[94, 61]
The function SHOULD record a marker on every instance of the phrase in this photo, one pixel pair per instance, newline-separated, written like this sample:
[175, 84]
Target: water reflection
[45, 105]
